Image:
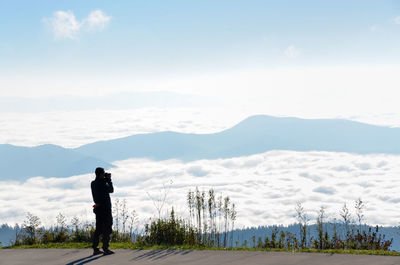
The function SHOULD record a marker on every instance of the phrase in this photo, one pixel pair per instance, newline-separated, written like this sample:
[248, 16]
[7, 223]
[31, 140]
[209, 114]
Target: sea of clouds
[75, 128]
[265, 187]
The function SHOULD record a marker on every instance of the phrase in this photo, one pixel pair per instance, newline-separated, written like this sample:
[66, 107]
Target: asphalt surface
[187, 257]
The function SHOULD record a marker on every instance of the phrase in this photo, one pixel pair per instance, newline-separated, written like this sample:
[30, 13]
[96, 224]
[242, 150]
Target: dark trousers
[104, 223]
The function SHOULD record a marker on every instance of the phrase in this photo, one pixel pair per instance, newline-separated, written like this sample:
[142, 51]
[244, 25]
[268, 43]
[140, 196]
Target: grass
[136, 246]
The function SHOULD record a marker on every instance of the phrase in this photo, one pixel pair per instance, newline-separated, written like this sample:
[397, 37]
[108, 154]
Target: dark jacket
[101, 190]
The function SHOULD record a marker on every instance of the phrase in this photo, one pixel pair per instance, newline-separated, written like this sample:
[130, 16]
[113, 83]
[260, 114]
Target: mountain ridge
[48, 160]
[256, 134]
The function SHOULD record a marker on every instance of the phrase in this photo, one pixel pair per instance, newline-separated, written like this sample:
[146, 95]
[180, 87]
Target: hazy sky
[284, 54]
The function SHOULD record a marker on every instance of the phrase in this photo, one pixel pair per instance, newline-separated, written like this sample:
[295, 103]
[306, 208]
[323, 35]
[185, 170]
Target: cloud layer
[265, 187]
[64, 24]
[75, 128]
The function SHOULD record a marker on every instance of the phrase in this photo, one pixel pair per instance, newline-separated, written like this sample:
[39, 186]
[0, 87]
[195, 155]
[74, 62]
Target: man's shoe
[97, 251]
[108, 252]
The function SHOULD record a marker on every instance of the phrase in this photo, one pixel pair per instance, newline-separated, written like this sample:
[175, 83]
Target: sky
[307, 57]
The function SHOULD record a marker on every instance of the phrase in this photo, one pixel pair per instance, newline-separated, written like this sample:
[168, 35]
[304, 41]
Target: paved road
[189, 257]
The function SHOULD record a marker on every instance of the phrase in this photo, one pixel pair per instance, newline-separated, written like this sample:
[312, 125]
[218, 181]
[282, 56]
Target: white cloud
[75, 128]
[64, 24]
[291, 52]
[265, 193]
[275, 179]
[97, 20]
[397, 20]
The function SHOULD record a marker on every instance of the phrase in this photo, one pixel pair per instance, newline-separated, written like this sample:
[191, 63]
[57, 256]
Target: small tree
[76, 235]
[124, 217]
[219, 213]
[226, 210]
[75, 223]
[133, 223]
[211, 213]
[359, 205]
[116, 208]
[31, 225]
[61, 228]
[204, 210]
[303, 222]
[161, 199]
[320, 228]
[345, 214]
[260, 243]
[198, 206]
[190, 202]
[18, 234]
[233, 218]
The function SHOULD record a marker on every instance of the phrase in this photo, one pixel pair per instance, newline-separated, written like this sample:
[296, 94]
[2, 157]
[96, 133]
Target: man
[101, 189]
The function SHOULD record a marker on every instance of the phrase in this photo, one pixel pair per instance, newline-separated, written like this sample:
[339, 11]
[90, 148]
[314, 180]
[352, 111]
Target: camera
[107, 175]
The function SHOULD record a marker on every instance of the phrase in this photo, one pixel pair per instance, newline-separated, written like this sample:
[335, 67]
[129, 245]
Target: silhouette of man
[101, 189]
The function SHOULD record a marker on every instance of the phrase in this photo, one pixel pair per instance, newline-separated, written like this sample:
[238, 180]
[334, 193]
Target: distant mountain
[255, 134]
[20, 163]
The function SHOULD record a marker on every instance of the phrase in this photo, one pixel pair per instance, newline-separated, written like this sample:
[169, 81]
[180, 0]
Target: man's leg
[108, 221]
[97, 232]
